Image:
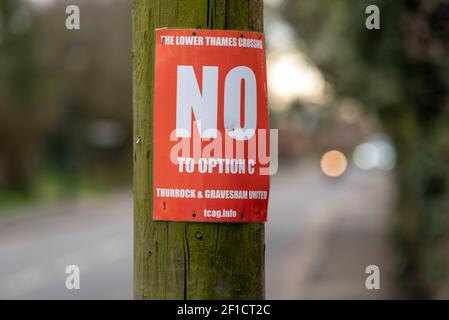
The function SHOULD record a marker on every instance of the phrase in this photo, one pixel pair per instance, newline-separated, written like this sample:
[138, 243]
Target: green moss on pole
[177, 260]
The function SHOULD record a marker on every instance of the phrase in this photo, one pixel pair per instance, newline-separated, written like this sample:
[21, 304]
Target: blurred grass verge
[52, 187]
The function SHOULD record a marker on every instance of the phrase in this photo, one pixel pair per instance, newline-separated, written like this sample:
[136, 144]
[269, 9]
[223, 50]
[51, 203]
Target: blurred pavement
[321, 235]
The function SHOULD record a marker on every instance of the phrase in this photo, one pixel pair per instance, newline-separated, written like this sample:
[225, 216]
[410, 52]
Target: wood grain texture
[177, 260]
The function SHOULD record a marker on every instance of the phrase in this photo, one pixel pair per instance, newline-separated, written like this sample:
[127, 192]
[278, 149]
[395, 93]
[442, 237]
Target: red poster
[211, 133]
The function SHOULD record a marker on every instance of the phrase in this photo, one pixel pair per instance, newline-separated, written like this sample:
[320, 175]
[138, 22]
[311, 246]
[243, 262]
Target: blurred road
[321, 235]
[96, 235]
[324, 232]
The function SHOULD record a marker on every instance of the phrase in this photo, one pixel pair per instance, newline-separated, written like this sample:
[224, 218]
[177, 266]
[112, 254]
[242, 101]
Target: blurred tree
[22, 122]
[89, 74]
[65, 96]
[402, 72]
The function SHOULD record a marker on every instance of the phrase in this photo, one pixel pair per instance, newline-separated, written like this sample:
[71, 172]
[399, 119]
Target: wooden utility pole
[186, 260]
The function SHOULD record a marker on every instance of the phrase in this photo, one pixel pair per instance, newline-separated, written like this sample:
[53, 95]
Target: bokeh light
[333, 163]
[375, 154]
[366, 156]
